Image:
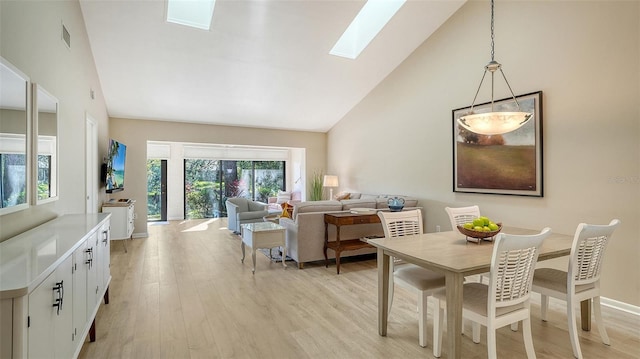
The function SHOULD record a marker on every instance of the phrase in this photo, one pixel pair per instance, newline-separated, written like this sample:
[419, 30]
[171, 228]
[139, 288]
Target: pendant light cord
[492, 67]
[492, 35]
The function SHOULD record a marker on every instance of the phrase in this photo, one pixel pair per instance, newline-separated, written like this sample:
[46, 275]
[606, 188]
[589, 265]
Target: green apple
[478, 222]
[493, 226]
[468, 225]
[478, 229]
[485, 220]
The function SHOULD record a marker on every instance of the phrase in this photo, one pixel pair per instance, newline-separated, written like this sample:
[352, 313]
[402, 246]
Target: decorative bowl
[479, 235]
[395, 208]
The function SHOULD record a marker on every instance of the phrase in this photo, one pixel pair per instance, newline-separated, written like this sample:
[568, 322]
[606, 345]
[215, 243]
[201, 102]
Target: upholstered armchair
[242, 210]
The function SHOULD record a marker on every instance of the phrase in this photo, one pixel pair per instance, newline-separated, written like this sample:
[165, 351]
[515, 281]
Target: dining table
[451, 254]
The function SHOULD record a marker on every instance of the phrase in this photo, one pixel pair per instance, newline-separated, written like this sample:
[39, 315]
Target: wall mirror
[45, 125]
[14, 141]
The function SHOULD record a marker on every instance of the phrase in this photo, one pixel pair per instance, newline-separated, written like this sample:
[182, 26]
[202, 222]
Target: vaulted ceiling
[264, 63]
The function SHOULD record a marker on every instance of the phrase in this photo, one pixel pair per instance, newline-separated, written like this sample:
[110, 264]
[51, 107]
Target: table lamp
[330, 181]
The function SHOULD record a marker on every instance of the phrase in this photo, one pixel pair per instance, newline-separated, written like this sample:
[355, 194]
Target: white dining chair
[461, 215]
[581, 281]
[505, 300]
[411, 276]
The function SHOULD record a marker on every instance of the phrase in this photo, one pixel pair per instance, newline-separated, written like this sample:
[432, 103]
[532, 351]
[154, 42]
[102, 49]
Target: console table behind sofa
[305, 232]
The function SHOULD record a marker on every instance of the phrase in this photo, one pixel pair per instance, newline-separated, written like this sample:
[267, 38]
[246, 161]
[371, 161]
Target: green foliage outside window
[12, 193]
[153, 190]
[44, 176]
[202, 198]
[208, 184]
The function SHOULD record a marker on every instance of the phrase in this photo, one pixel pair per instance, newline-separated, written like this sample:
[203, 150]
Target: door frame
[91, 163]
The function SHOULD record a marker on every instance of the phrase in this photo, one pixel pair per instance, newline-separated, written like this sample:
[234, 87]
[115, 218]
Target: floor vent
[66, 36]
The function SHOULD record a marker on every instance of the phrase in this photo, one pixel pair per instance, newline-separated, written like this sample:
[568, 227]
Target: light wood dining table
[451, 254]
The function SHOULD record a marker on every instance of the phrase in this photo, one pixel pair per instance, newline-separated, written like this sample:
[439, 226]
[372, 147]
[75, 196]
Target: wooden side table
[263, 235]
[345, 219]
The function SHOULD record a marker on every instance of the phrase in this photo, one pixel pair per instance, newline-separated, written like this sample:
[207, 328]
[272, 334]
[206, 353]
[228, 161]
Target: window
[156, 190]
[208, 184]
[44, 176]
[14, 185]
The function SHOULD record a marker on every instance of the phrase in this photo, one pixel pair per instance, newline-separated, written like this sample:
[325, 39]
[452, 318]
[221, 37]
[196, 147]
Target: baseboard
[622, 306]
[140, 235]
[607, 302]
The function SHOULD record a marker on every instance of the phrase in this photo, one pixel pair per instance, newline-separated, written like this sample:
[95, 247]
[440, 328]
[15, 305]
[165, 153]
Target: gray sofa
[305, 230]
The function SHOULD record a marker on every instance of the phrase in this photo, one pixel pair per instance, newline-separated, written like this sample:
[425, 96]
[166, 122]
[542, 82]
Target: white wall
[30, 38]
[583, 55]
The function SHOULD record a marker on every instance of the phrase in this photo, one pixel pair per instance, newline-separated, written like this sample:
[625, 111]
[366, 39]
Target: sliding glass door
[208, 183]
[157, 190]
[202, 188]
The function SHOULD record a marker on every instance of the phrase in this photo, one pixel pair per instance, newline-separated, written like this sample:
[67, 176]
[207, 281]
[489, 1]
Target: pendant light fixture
[493, 123]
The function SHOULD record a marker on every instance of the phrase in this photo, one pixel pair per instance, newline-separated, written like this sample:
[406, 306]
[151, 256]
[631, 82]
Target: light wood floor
[183, 293]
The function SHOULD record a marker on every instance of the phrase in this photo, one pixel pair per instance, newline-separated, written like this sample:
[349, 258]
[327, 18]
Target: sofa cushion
[316, 206]
[355, 195]
[251, 215]
[410, 202]
[283, 197]
[369, 196]
[296, 196]
[357, 203]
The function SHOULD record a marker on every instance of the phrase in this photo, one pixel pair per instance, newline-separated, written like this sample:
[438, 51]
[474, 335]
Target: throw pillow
[283, 197]
[342, 196]
[285, 210]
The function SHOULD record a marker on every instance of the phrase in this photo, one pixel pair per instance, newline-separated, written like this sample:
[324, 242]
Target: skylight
[194, 13]
[373, 16]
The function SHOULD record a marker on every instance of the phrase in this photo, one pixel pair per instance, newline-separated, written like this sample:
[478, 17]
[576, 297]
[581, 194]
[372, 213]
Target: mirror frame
[38, 96]
[27, 150]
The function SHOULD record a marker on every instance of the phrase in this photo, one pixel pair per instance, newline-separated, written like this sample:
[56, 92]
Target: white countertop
[28, 258]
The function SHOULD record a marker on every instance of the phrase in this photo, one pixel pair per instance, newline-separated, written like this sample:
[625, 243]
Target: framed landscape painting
[510, 163]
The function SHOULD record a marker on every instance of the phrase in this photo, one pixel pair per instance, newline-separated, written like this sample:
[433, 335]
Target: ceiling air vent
[66, 36]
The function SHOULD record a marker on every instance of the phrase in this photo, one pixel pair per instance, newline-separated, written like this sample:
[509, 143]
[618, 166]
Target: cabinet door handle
[105, 237]
[58, 305]
[59, 288]
[89, 260]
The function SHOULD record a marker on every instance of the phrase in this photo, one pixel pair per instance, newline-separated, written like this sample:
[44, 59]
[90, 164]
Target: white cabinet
[122, 216]
[50, 320]
[51, 281]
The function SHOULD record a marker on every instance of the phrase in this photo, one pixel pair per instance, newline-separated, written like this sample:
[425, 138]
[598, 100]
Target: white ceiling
[264, 63]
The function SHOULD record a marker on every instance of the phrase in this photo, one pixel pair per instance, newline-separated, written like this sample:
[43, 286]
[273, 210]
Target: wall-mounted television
[114, 174]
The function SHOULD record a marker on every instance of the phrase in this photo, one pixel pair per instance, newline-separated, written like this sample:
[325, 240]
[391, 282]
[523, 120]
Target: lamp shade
[494, 123]
[330, 181]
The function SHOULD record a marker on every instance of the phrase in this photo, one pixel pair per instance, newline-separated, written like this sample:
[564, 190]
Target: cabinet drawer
[360, 220]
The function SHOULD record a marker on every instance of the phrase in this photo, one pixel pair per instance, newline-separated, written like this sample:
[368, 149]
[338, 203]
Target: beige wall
[585, 58]
[13, 121]
[30, 40]
[136, 133]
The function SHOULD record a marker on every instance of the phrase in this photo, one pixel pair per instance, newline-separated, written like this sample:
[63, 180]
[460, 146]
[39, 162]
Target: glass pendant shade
[494, 123]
